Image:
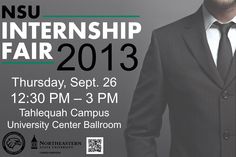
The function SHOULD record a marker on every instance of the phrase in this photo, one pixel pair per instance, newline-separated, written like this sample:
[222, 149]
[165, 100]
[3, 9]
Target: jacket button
[226, 135]
[225, 95]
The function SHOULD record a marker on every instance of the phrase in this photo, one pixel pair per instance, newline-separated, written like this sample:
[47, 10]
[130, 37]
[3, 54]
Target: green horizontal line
[91, 16]
[17, 62]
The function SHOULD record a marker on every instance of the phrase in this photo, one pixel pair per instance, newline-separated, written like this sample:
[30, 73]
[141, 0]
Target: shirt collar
[210, 19]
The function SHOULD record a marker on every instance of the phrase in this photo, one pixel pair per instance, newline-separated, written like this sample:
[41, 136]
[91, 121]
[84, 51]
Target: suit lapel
[195, 38]
[232, 72]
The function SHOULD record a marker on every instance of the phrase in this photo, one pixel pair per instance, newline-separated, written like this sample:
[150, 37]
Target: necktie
[225, 54]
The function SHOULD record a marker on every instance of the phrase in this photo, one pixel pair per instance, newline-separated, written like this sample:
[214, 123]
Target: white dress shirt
[213, 33]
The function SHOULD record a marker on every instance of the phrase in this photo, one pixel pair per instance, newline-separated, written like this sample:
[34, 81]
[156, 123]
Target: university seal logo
[13, 143]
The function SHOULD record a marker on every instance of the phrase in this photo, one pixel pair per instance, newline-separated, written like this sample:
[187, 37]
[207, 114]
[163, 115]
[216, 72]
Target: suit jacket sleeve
[148, 105]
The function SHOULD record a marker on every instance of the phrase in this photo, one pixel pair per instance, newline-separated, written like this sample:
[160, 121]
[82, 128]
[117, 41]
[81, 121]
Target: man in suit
[191, 67]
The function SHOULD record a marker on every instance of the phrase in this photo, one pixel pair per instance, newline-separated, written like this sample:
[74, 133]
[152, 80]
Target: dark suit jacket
[179, 71]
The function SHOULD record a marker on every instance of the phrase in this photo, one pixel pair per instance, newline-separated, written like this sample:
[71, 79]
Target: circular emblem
[13, 143]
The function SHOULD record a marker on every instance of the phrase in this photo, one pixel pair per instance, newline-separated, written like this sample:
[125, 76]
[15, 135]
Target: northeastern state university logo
[13, 143]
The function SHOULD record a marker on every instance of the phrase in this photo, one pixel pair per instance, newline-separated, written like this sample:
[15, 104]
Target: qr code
[94, 145]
